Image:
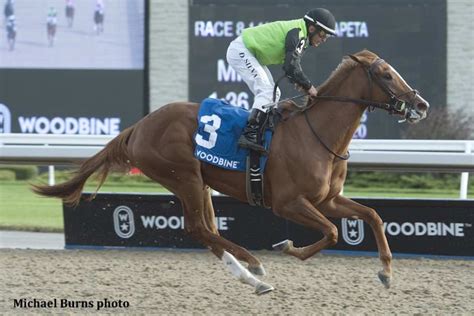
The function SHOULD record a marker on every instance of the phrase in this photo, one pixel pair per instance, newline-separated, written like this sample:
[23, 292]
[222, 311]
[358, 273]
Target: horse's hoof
[385, 279]
[282, 245]
[263, 288]
[257, 270]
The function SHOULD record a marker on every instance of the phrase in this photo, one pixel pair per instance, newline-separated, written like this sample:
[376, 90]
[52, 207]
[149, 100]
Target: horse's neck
[335, 121]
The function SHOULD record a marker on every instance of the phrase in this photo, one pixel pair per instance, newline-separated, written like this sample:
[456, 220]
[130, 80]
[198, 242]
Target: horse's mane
[342, 70]
[337, 76]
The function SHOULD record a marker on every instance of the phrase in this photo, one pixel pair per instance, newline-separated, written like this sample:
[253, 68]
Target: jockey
[52, 17]
[11, 27]
[70, 4]
[99, 7]
[275, 43]
[8, 9]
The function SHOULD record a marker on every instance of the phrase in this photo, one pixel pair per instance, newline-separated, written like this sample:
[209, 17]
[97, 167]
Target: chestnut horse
[304, 173]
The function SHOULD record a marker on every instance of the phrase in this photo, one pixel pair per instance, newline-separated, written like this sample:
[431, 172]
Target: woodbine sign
[421, 227]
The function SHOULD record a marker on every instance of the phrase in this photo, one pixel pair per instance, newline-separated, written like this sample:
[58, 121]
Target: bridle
[395, 106]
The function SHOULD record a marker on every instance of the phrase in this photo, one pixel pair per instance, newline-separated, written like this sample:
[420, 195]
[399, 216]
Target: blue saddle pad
[220, 125]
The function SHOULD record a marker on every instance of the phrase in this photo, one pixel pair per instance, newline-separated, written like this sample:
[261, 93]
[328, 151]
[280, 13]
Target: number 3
[211, 129]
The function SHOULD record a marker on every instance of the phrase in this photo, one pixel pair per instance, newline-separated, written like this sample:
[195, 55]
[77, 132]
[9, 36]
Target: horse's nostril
[422, 107]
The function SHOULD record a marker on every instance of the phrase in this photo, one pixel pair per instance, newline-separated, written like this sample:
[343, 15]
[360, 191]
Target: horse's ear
[354, 58]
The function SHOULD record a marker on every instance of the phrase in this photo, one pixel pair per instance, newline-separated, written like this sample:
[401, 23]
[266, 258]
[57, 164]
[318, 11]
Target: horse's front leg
[301, 211]
[199, 223]
[254, 265]
[341, 207]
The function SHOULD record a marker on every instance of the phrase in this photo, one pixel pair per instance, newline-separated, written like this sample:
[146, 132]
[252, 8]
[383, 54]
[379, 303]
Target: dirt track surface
[169, 282]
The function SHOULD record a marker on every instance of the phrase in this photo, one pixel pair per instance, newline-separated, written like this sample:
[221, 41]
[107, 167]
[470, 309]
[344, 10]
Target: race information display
[401, 32]
[75, 67]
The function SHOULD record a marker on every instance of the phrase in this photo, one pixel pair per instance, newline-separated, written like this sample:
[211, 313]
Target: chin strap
[310, 36]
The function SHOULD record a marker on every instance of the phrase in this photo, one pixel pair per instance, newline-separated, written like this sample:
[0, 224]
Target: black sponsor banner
[65, 101]
[400, 31]
[157, 221]
[431, 227]
[434, 227]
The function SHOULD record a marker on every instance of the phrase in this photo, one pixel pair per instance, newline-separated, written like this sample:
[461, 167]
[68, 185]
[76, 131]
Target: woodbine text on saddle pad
[219, 127]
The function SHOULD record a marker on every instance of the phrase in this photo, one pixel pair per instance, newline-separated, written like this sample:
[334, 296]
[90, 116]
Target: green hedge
[7, 175]
[21, 172]
[424, 180]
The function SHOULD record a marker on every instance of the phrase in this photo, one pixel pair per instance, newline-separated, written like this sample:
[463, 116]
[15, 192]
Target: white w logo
[352, 231]
[5, 119]
[124, 225]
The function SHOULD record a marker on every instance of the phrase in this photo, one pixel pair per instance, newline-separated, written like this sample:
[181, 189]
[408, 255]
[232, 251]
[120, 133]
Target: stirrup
[245, 143]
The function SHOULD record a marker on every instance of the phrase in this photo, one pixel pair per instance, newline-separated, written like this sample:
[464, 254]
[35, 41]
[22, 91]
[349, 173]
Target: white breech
[257, 77]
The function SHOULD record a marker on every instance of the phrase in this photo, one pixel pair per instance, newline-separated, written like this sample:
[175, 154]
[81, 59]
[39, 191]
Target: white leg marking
[238, 270]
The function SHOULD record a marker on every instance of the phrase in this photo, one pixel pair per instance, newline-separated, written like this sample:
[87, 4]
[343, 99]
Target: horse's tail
[113, 155]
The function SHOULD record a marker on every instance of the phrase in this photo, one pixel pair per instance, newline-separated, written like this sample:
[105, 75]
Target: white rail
[398, 155]
[49, 149]
[413, 155]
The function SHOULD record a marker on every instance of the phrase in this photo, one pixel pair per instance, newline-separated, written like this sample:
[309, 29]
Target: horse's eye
[387, 76]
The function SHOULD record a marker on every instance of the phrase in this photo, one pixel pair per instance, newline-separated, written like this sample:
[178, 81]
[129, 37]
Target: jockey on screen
[51, 24]
[11, 27]
[69, 11]
[276, 43]
[52, 17]
[8, 9]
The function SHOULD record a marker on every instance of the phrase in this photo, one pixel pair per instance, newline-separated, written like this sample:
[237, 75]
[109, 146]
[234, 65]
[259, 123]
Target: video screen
[72, 34]
[72, 66]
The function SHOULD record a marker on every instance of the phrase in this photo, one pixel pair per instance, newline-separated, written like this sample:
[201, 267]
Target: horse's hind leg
[341, 207]
[301, 211]
[200, 227]
[254, 265]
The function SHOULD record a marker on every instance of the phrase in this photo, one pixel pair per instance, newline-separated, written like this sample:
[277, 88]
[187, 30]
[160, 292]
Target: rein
[345, 157]
[384, 106]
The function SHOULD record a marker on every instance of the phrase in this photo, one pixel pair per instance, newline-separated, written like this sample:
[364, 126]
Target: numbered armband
[294, 48]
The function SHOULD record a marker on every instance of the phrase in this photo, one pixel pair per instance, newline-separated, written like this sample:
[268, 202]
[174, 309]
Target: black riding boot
[248, 139]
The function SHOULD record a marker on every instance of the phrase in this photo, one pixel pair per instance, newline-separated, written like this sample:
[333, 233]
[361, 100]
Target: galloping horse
[304, 173]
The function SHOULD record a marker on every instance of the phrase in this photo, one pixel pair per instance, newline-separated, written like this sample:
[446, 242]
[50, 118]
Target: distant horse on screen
[305, 172]
[70, 12]
[51, 26]
[11, 32]
[99, 14]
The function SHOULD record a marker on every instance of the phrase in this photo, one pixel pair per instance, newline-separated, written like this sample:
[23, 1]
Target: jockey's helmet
[322, 18]
[52, 11]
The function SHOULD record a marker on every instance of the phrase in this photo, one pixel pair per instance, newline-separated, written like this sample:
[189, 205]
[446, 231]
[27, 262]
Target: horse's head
[391, 88]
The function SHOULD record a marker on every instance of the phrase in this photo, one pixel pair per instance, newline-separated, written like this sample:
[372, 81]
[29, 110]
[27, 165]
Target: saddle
[219, 127]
